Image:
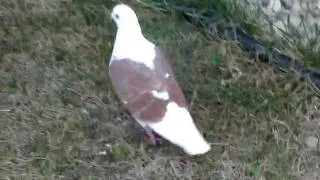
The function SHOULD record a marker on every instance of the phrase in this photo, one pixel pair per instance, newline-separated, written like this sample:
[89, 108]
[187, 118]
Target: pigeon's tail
[178, 127]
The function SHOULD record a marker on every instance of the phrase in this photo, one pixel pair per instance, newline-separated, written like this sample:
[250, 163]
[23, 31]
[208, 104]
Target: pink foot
[149, 137]
[152, 138]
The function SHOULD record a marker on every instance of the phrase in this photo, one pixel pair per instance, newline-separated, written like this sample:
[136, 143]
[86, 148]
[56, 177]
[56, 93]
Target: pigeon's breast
[143, 91]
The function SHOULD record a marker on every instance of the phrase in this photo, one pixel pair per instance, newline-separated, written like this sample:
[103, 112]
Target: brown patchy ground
[60, 118]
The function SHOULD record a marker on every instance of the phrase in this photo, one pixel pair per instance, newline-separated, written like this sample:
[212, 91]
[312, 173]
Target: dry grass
[60, 118]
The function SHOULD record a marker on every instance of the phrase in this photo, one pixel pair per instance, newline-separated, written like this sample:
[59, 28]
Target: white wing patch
[161, 95]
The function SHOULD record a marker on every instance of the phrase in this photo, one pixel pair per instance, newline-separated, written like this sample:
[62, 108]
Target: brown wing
[134, 83]
[163, 67]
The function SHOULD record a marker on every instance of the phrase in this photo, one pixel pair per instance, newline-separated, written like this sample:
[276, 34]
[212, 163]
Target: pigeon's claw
[152, 137]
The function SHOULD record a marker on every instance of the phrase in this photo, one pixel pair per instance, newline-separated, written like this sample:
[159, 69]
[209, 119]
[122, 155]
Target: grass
[60, 118]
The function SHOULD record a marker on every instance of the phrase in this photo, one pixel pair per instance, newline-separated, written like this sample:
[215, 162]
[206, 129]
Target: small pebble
[84, 111]
[102, 152]
[312, 142]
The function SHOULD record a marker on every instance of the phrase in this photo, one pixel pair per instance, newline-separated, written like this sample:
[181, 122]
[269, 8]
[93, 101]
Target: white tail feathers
[178, 127]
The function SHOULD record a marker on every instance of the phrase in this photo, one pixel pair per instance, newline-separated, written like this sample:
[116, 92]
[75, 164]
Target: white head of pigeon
[129, 37]
[139, 72]
[125, 18]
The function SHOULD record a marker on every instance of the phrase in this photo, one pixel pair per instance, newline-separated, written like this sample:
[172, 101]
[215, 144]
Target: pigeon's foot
[152, 137]
[185, 159]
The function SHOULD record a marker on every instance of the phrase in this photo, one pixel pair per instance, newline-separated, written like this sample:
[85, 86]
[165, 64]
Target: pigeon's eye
[117, 16]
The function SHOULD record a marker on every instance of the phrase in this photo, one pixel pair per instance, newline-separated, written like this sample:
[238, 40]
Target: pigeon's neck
[132, 29]
[129, 34]
[134, 46]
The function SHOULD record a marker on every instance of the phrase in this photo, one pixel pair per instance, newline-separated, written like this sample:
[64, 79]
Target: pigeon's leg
[149, 136]
[152, 137]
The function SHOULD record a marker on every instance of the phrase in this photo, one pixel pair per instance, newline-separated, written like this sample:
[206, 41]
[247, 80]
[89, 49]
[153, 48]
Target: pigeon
[145, 83]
